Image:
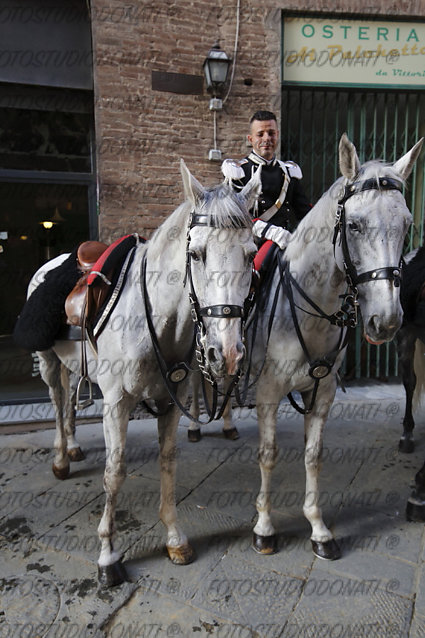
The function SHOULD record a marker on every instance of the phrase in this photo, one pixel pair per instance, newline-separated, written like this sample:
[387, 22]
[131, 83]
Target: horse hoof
[111, 575]
[415, 512]
[329, 550]
[264, 544]
[407, 446]
[182, 555]
[231, 434]
[76, 454]
[60, 473]
[194, 435]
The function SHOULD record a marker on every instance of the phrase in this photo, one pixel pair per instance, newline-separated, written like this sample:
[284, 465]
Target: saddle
[87, 255]
[100, 266]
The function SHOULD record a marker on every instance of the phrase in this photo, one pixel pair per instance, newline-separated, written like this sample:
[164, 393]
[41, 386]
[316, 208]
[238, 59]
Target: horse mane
[319, 222]
[378, 168]
[231, 211]
[223, 207]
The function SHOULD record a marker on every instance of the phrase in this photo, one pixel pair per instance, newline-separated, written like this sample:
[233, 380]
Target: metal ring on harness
[320, 369]
[221, 311]
[394, 274]
[178, 372]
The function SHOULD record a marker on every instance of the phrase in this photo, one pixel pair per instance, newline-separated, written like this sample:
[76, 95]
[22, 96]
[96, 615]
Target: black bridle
[218, 311]
[347, 316]
[392, 273]
[173, 374]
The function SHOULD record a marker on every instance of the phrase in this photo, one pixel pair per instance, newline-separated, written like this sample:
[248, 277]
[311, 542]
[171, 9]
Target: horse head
[220, 251]
[372, 223]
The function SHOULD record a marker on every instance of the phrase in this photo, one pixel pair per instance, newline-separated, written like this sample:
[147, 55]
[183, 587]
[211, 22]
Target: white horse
[353, 234]
[209, 234]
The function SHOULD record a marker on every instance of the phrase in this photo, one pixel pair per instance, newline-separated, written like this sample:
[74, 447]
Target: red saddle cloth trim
[103, 257]
[262, 254]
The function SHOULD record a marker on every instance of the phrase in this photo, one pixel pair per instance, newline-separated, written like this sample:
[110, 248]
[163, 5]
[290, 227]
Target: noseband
[392, 273]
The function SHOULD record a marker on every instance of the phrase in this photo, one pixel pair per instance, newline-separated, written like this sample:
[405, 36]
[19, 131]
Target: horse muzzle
[224, 349]
[377, 330]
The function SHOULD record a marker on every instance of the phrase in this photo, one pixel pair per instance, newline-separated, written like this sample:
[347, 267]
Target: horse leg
[323, 543]
[264, 535]
[69, 383]
[50, 367]
[230, 431]
[179, 550]
[406, 349]
[194, 433]
[415, 508]
[115, 422]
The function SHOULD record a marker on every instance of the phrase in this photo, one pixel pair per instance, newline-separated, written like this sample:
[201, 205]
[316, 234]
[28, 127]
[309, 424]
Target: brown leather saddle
[103, 274]
[77, 303]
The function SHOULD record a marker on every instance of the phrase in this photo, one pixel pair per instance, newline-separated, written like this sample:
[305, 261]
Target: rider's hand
[277, 234]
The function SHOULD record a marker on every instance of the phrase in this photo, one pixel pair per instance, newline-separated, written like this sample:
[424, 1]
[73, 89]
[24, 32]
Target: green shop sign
[353, 52]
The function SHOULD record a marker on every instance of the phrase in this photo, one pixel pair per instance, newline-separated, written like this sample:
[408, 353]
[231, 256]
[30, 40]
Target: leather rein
[177, 372]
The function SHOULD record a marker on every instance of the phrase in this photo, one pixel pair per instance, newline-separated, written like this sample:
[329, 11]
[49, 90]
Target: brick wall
[142, 133]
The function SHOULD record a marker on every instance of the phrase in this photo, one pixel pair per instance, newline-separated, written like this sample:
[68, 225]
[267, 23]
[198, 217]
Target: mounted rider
[282, 203]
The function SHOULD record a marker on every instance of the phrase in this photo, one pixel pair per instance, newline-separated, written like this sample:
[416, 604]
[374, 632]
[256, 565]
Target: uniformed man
[282, 203]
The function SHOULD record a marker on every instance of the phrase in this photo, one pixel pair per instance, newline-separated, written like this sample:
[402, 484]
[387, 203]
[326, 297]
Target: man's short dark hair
[262, 116]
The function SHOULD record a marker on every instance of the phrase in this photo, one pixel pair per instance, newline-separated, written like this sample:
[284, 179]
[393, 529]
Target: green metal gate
[382, 125]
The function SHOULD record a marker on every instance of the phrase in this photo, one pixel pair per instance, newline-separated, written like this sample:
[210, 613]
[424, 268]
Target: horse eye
[195, 256]
[353, 226]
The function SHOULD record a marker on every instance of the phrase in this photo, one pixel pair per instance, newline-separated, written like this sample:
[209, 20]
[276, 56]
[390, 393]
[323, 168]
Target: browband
[382, 183]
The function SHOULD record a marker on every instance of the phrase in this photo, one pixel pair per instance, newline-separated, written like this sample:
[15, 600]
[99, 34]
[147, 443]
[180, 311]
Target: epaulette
[232, 169]
[293, 169]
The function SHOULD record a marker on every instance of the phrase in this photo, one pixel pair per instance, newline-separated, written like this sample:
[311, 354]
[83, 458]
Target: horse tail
[419, 368]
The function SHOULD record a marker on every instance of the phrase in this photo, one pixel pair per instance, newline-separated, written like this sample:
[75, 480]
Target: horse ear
[252, 189]
[404, 165]
[193, 190]
[349, 163]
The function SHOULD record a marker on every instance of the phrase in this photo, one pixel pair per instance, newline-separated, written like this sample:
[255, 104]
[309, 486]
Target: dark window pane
[44, 140]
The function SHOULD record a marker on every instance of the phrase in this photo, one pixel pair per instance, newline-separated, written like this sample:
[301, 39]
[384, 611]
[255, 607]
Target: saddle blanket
[42, 320]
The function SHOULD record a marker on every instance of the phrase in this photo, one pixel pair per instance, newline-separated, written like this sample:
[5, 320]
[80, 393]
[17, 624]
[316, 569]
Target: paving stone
[240, 590]
[49, 542]
[362, 530]
[384, 573]
[418, 626]
[333, 605]
[150, 614]
[49, 595]
[210, 534]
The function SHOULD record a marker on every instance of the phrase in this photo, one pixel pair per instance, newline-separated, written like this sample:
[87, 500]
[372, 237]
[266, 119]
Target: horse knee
[313, 457]
[114, 477]
[267, 455]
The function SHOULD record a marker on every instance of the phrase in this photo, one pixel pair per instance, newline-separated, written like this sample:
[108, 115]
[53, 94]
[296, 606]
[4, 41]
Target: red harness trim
[101, 261]
[262, 254]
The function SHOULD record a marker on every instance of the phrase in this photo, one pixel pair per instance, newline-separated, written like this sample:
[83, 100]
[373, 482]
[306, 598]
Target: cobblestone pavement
[49, 543]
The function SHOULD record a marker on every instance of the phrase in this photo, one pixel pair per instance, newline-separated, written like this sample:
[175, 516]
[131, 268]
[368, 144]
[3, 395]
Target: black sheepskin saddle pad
[42, 315]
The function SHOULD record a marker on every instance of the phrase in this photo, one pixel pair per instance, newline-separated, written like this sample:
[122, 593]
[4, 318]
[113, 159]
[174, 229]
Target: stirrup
[84, 404]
